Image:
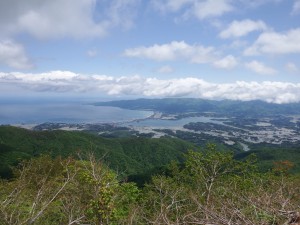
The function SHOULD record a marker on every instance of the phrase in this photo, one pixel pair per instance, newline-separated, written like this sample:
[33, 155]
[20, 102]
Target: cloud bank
[69, 82]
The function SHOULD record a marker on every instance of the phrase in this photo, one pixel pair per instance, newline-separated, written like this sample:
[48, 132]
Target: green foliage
[209, 187]
[209, 167]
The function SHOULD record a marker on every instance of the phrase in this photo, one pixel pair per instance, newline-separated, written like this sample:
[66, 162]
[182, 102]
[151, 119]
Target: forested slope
[128, 155]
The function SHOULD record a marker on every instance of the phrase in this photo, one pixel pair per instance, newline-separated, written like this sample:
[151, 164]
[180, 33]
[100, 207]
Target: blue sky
[214, 49]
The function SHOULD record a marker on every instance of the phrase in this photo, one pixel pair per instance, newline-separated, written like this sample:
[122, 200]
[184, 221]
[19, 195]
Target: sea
[33, 112]
[64, 112]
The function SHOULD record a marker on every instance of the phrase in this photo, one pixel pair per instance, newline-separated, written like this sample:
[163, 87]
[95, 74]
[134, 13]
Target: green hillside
[268, 155]
[128, 155]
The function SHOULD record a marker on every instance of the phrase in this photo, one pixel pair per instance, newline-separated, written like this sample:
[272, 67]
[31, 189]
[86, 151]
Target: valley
[270, 131]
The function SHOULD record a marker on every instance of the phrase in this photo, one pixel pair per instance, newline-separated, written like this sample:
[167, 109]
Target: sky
[211, 49]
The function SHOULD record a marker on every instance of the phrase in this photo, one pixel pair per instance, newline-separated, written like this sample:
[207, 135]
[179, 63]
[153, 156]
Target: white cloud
[291, 67]
[121, 13]
[296, 7]
[69, 82]
[260, 68]
[170, 5]
[241, 28]
[64, 18]
[228, 62]
[200, 9]
[276, 43]
[165, 69]
[174, 51]
[257, 3]
[92, 53]
[13, 55]
[206, 9]
[211, 8]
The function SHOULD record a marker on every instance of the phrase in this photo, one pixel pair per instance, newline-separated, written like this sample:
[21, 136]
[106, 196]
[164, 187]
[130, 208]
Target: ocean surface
[61, 112]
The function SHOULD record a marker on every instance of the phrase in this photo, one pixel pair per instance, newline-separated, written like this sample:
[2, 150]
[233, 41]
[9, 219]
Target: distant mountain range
[185, 105]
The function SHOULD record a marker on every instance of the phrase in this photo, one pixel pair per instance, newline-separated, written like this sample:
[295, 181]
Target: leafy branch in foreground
[214, 188]
[65, 191]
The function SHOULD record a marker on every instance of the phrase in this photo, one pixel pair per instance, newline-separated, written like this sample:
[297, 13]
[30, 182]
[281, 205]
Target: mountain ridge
[184, 105]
